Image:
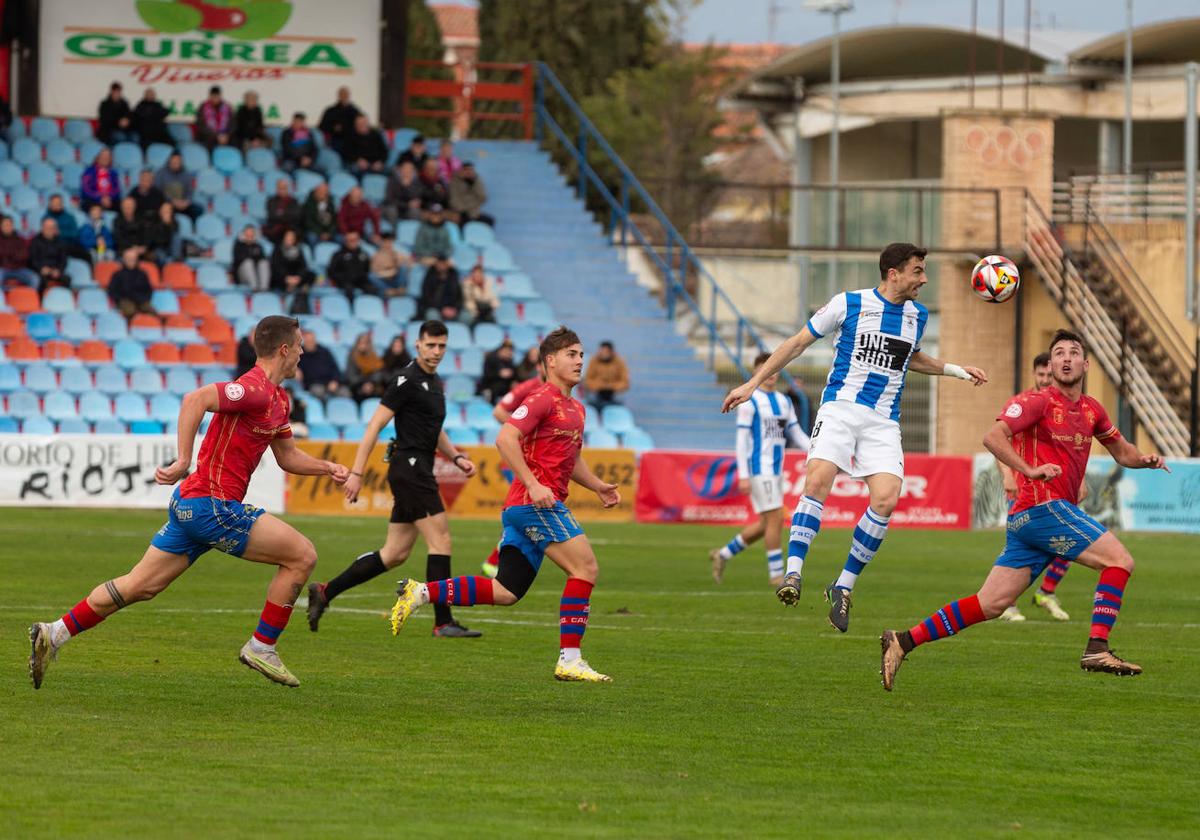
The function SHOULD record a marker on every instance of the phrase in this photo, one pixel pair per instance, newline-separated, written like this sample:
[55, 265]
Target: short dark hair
[607, 344]
[1041, 360]
[897, 256]
[434, 329]
[271, 332]
[1067, 335]
[299, 115]
[557, 340]
[214, 89]
[761, 358]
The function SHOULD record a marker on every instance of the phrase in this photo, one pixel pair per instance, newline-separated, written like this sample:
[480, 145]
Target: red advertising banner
[702, 487]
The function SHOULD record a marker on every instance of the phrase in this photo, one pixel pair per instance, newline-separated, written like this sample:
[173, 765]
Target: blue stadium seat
[109, 426]
[231, 305]
[351, 329]
[227, 159]
[38, 426]
[42, 177]
[601, 439]
[41, 326]
[59, 406]
[23, 405]
[81, 278]
[406, 232]
[146, 334]
[10, 378]
[94, 407]
[130, 407]
[181, 133]
[212, 277]
[11, 175]
[479, 414]
[340, 184]
[210, 228]
[129, 354]
[463, 436]
[164, 407]
[306, 181]
[322, 431]
[9, 426]
[539, 314]
[617, 418]
[43, 129]
[40, 378]
[195, 157]
[369, 308]
[58, 299]
[209, 183]
[111, 327]
[637, 440]
[497, 258]
[26, 199]
[261, 161]
[470, 362]
[111, 379]
[180, 380]
[145, 427]
[243, 325]
[88, 150]
[229, 207]
[323, 253]
[222, 250]
[374, 187]
[183, 335]
[157, 155]
[214, 373]
[75, 380]
[401, 309]
[478, 235]
[334, 308]
[487, 337]
[454, 417]
[78, 131]
[353, 431]
[26, 150]
[127, 157]
[146, 381]
[256, 206]
[341, 411]
[518, 287]
[74, 426]
[60, 153]
[460, 388]
[330, 161]
[367, 408]
[592, 418]
[263, 304]
[459, 335]
[165, 302]
[244, 183]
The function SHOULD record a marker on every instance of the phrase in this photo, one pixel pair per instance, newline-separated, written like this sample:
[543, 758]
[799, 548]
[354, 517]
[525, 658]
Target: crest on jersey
[234, 391]
[1060, 416]
[1014, 410]
[521, 413]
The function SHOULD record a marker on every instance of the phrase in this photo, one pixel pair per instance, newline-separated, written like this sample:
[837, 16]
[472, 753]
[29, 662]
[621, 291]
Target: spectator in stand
[479, 297]
[283, 212]
[289, 270]
[150, 120]
[403, 198]
[364, 369]
[250, 268]
[163, 243]
[246, 357]
[298, 146]
[249, 130]
[318, 370]
[416, 153]
[529, 366]
[396, 358]
[350, 268]
[48, 257]
[115, 123]
[100, 183]
[499, 373]
[96, 236]
[357, 214]
[432, 237]
[433, 188]
[441, 291]
[298, 419]
[338, 119]
[6, 115]
[467, 196]
[14, 256]
[214, 120]
[147, 196]
[389, 268]
[174, 182]
[448, 164]
[68, 227]
[364, 149]
[607, 376]
[129, 231]
[319, 216]
[129, 288]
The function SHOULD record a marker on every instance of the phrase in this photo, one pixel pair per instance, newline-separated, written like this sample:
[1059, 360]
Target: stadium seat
[10, 378]
[195, 156]
[321, 328]
[369, 308]
[179, 276]
[163, 353]
[226, 353]
[58, 299]
[478, 235]
[263, 304]
[227, 159]
[146, 328]
[111, 380]
[214, 373]
[228, 206]
[59, 353]
[41, 379]
[59, 406]
[340, 184]
[351, 329]
[94, 407]
[111, 327]
[93, 301]
[323, 253]
[165, 302]
[231, 305]
[353, 431]
[334, 308]
[212, 277]
[214, 330]
[210, 229]
[78, 131]
[42, 177]
[322, 431]
[11, 175]
[9, 426]
[25, 151]
[11, 326]
[463, 436]
[103, 271]
[129, 354]
[401, 309]
[617, 418]
[145, 427]
[23, 300]
[244, 184]
[601, 439]
[80, 273]
[145, 381]
[23, 405]
[518, 287]
[109, 426]
[130, 407]
[43, 129]
[198, 354]
[210, 183]
[152, 272]
[329, 160]
[41, 326]
[306, 181]
[487, 337]
[341, 411]
[637, 440]
[127, 157]
[198, 305]
[74, 426]
[469, 362]
[94, 350]
[38, 426]
[374, 188]
[75, 380]
[164, 407]
[157, 155]
[180, 381]
[458, 335]
[23, 350]
[261, 161]
[460, 388]
[538, 313]
[88, 150]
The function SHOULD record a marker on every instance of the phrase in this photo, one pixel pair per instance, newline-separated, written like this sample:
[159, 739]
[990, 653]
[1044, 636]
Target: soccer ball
[995, 279]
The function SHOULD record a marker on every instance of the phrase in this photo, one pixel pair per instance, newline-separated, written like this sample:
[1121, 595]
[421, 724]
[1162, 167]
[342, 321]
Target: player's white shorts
[857, 439]
[766, 492]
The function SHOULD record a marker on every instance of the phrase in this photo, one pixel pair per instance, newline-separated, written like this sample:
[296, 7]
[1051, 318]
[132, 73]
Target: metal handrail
[620, 215]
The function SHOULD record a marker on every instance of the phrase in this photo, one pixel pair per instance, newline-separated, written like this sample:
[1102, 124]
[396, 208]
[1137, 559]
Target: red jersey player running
[1053, 429]
[541, 442]
[206, 511]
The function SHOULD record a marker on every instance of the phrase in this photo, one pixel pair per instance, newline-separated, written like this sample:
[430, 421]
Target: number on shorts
[816, 430]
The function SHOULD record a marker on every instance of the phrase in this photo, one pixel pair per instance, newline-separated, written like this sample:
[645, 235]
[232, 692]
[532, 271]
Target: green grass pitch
[730, 715]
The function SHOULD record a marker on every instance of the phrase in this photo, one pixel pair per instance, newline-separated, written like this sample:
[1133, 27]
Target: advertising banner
[1136, 500]
[480, 497]
[293, 54]
[703, 487]
[106, 471]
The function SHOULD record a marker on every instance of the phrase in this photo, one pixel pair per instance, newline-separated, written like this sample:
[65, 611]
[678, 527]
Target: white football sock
[59, 634]
[260, 647]
[568, 655]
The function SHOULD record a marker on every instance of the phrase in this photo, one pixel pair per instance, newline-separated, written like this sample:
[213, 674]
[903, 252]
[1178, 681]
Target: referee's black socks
[365, 567]
[437, 567]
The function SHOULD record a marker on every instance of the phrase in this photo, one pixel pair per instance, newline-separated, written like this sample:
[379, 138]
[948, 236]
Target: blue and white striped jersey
[766, 422]
[874, 340]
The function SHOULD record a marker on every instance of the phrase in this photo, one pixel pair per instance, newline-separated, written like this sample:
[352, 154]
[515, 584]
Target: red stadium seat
[198, 354]
[104, 271]
[198, 305]
[215, 329]
[94, 351]
[226, 353]
[11, 326]
[145, 319]
[57, 349]
[179, 321]
[162, 353]
[179, 276]
[23, 300]
[152, 272]
[26, 350]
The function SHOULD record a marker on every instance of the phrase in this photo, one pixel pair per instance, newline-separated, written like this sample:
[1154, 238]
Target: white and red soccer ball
[995, 279]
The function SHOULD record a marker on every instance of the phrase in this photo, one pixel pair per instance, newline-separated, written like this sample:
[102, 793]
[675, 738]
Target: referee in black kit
[417, 402]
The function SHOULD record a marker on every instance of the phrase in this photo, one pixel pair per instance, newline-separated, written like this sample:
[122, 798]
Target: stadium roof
[1167, 42]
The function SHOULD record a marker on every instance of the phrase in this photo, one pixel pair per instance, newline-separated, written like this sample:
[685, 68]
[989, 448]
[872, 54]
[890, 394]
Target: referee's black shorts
[414, 489]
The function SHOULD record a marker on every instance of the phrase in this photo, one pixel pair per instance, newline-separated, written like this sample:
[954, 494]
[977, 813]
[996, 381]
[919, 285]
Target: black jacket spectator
[433, 188]
[130, 284]
[337, 121]
[318, 367]
[149, 198]
[349, 270]
[47, 253]
[248, 126]
[150, 120]
[246, 356]
[440, 289]
[298, 149]
[369, 146]
[160, 237]
[288, 261]
[129, 233]
[5, 115]
[112, 112]
[283, 213]
[404, 193]
[319, 215]
[14, 252]
[499, 373]
[415, 153]
[243, 250]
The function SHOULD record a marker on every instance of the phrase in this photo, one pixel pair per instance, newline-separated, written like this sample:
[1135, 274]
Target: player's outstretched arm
[451, 453]
[195, 405]
[582, 475]
[1128, 455]
[508, 444]
[382, 416]
[298, 462]
[781, 358]
[998, 441]
[924, 363]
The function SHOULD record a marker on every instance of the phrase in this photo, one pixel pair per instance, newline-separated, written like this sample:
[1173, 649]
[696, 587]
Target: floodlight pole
[1127, 136]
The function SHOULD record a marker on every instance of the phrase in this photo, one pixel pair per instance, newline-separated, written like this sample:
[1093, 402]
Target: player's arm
[382, 416]
[922, 362]
[998, 441]
[1128, 455]
[508, 443]
[784, 354]
[298, 462]
[451, 453]
[744, 444]
[501, 413]
[582, 475]
[191, 413]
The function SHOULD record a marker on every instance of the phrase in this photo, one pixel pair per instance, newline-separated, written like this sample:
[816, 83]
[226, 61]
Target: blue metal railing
[675, 249]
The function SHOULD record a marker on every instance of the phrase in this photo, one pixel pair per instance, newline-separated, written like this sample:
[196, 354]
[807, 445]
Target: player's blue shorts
[1038, 534]
[196, 525]
[531, 529]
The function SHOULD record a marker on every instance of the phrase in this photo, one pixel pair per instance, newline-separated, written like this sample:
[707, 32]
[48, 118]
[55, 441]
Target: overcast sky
[746, 21]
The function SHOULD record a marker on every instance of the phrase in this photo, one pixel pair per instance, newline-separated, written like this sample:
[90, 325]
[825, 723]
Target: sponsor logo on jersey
[886, 352]
[1061, 545]
[234, 391]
